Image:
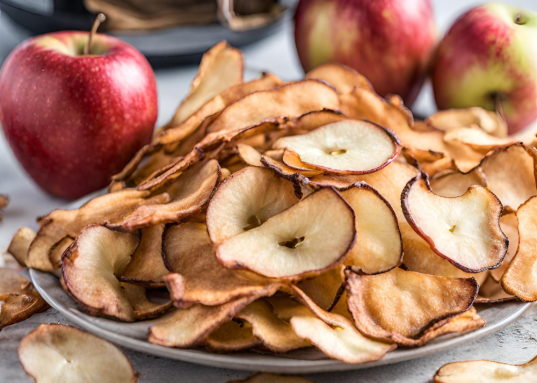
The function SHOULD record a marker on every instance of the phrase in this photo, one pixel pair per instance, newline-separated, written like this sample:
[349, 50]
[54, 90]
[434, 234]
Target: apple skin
[486, 53]
[72, 120]
[388, 41]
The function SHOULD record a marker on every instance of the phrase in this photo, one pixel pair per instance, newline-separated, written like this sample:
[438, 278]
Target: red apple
[388, 41]
[74, 119]
[489, 59]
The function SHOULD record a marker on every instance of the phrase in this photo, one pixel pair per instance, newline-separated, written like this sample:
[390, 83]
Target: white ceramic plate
[310, 360]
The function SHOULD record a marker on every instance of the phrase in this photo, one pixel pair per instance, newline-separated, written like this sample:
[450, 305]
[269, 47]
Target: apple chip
[510, 174]
[509, 226]
[477, 139]
[197, 275]
[89, 267]
[263, 377]
[403, 306]
[291, 100]
[344, 147]
[57, 250]
[455, 184]
[146, 267]
[306, 238]
[333, 334]
[61, 223]
[249, 155]
[189, 193]
[461, 324]
[378, 247]
[464, 230]
[299, 178]
[142, 306]
[519, 278]
[491, 291]
[313, 120]
[220, 68]
[487, 371]
[235, 335]
[490, 122]
[184, 328]
[245, 200]
[18, 298]
[20, 243]
[64, 354]
[324, 288]
[275, 335]
[343, 78]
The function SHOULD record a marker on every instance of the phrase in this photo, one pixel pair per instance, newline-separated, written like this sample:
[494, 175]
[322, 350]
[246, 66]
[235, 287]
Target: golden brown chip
[402, 306]
[143, 307]
[490, 122]
[235, 335]
[263, 377]
[455, 184]
[519, 278]
[323, 289]
[464, 230]
[18, 247]
[249, 155]
[197, 275]
[509, 225]
[57, 250]
[477, 139]
[491, 291]
[146, 267]
[343, 78]
[313, 120]
[487, 371]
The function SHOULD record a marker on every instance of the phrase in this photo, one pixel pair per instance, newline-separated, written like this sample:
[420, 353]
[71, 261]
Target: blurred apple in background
[388, 41]
[489, 58]
[74, 118]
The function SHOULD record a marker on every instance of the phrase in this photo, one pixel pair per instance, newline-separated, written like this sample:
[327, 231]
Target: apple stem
[98, 20]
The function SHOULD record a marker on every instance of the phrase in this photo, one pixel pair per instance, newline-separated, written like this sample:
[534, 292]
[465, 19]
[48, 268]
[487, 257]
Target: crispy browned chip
[455, 184]
[249, 155]
[486, 371]
[313, 120]
[61, 353]
[263, 377]
[490, 122]
[18, 298]
[323, 289]
[491, 291]
[477, 139]
[146, 267]
[18, 247]
[188, 193]
[57, 250]
[303, 240]
[235, 335]
[142, 306]
[464, 230]
[509, 225]
[403, 306]
[189, 327]
[299, 178]
[519, 278]
[197, 275]
[378, 247]
[343, 78]
[510, 174]
[276, 335]
[61, 223]
[343, 147]
[89, 267]
[461, 324]
[291, 100]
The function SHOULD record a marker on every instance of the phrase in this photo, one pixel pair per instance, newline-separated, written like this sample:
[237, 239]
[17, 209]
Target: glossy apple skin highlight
[388, 41]
[72, 120]
[486, 54]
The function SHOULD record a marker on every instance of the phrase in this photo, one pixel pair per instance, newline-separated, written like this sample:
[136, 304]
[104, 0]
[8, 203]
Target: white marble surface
[515, 344]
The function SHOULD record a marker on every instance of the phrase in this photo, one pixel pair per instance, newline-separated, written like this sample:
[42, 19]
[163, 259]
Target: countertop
[516, 343]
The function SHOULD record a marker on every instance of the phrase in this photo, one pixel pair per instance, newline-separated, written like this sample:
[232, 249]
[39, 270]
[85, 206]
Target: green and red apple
[388, 41]
[74, 119]
[488, 58]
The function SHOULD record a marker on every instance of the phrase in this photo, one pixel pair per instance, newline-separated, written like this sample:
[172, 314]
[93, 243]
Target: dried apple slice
[249, 155]
[57, 250]
[343, 78]
[490, 122]
[197, 275]
[519, 278]
[464, 230]
[509, 225]
[18, 247]
[379, 247]
[460, 324]
[477, 139]
[291, 100]
[146, 267]
[344, 147]
[275, 335]
[306, 238]
[323, 289]
[491, 291]
[235, 335]
[401, 306]
[88, 269]
[220, 67]
[61, 223]
[61, 353]
[245, 200]
[143, 307]
[264, 377]
[313, 120]
[299, 178]
[510, 174]
[455, 184]
[486, 371]
[18, 298]
[189, 193]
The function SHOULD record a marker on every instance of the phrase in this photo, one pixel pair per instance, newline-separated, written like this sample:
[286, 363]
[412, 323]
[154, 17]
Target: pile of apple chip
[281, 216]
